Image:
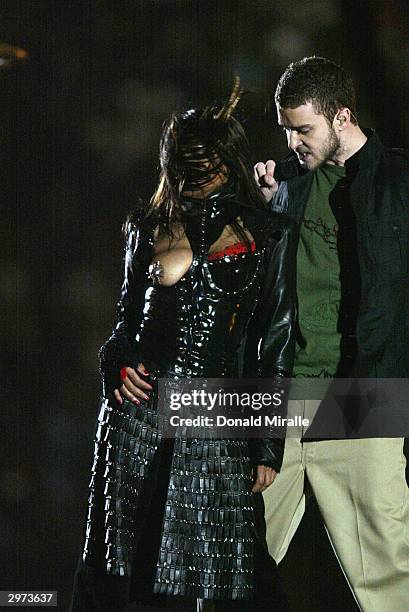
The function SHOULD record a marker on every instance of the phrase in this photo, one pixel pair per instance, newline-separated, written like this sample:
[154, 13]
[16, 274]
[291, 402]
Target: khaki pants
[363, 497]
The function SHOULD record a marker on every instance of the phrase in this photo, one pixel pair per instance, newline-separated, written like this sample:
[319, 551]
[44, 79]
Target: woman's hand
[265, 476]
[133, 385]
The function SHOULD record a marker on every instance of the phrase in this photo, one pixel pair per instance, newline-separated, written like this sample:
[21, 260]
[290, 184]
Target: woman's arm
[121, 349]
[270, 346]
[272, 341]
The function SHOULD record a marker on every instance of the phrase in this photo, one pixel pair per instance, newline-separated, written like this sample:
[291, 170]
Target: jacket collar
[361, 169]
[368, 155]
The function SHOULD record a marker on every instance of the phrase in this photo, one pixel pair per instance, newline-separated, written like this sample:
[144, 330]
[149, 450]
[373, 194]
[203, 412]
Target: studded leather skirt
[177, 513]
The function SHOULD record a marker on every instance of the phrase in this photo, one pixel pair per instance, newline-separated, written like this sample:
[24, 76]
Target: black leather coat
[205, 535]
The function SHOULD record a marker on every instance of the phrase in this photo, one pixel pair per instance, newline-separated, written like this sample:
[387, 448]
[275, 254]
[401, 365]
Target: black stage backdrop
[80, 124]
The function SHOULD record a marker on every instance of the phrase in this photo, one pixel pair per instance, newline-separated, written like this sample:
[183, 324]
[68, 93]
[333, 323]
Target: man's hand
[264, 175]
[133, 385]
[265, 476]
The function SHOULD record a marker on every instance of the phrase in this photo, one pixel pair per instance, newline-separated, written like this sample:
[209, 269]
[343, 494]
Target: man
[351, 203]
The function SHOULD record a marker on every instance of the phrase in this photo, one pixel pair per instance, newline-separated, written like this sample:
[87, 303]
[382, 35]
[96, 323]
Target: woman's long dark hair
[188, 139]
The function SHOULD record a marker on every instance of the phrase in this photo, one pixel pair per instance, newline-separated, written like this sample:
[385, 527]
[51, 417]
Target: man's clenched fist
[264, 175]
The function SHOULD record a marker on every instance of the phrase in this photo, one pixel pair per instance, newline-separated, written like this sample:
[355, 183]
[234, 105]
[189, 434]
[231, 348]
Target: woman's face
[203, 170]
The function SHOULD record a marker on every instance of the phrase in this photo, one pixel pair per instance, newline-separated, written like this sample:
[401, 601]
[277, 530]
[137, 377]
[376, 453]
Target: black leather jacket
[376, 321]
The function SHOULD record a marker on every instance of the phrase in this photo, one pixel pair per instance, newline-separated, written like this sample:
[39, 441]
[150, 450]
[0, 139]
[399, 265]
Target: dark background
[80, 125]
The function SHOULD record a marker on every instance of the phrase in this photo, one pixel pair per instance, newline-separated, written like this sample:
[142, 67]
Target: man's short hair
[319, 81]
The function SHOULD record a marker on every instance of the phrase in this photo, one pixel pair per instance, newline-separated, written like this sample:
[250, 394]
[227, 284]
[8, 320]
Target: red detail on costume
[123, 373]
[232, 249]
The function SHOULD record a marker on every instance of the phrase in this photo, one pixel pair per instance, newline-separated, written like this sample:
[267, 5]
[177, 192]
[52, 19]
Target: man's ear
[342, 118]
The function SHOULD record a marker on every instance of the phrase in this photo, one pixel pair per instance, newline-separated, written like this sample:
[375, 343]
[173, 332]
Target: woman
[207, 269]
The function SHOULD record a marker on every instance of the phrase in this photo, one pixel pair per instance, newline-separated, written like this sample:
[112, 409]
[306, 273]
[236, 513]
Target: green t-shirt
[318, 282]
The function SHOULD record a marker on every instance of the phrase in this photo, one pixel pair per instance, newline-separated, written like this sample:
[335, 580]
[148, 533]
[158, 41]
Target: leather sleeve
[121, 349]
[271, 343]
[275, 315]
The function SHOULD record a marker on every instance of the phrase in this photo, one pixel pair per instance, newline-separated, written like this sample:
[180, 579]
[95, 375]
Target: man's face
[309, 135]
